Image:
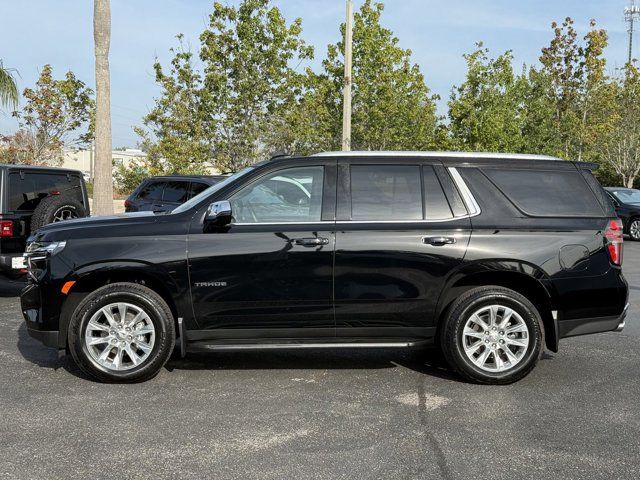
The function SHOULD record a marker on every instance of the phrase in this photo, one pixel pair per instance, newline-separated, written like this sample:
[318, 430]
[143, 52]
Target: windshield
[214, 188]
[628, 196]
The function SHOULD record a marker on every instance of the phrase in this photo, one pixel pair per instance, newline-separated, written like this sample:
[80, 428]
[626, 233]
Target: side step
[229, 347]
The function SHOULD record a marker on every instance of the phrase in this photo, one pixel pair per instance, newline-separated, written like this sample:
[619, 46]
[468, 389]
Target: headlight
[46, 247]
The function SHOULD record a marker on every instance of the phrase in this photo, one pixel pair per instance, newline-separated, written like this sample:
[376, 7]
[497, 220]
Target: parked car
[163, 194]
[626, 202]
[491, 257]
[31, 197]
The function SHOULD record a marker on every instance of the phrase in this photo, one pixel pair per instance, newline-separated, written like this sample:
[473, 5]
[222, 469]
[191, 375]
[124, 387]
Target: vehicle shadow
[32, 351]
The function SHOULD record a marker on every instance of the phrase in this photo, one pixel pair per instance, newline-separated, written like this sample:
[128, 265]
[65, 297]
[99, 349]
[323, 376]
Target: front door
[270, 273]
[398, 237]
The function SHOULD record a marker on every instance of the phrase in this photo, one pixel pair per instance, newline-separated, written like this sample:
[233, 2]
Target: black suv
[31, 197]
[490, 257]
[626, 202]
[163, 194]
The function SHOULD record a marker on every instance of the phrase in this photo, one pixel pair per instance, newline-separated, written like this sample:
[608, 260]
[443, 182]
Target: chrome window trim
[467, 197]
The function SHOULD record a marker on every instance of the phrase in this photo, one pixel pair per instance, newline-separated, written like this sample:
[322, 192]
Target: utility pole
[346, 107]
[631, 14]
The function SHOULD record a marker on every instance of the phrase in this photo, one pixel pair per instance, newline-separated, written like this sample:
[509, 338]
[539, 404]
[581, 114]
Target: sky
[59, 32]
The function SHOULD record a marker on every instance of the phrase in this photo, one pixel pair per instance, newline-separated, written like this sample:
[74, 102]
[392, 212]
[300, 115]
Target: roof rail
[279, 154]
[400, 153]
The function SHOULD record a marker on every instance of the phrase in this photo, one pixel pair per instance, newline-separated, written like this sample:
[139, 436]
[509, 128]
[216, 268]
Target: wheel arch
[91, 277]
[527, 280]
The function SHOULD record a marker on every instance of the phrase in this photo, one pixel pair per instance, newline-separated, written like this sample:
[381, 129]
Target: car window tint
[175, 192]
[152, 191]
[291, 195]
[386, 192]
[436, 204]
[26, 191]
[547, 192]
[196, 187]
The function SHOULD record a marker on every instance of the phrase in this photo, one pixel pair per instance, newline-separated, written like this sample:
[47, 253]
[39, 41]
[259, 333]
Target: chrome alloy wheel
[64, 213]
[634, 229]
[495, 338]
[120, 336]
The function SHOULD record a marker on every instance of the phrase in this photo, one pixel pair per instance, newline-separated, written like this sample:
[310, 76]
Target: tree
[178, 137]
[56, 113]
[486, 111]
[392, 106]
[103, 167]
[8, 88]
[622, 148]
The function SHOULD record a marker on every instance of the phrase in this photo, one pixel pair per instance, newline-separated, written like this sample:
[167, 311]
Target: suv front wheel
[492, 335]
[122, 332]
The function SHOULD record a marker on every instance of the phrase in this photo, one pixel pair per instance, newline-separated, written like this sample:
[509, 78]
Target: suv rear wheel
[122, 332]
[634, 229]
[492, 335]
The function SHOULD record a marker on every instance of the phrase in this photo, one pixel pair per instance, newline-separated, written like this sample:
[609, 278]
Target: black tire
[141, 297]
[452, 341]
[49, 207]
[634, 229]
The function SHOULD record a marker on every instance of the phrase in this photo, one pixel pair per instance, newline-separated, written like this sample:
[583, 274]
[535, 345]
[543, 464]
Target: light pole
[346, 107]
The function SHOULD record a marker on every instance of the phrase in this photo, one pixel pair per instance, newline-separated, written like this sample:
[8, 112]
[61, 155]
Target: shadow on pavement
[32, 351]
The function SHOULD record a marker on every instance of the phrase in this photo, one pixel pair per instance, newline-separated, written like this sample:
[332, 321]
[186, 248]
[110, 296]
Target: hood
[99, 226]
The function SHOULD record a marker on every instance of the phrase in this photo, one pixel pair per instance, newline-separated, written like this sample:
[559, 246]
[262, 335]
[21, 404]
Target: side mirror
[219, 213]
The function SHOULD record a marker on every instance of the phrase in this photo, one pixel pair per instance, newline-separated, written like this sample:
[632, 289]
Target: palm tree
[103, 169]
[8, 88]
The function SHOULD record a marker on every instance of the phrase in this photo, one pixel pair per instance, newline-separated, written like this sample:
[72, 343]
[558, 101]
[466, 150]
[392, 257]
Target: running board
[201, 346]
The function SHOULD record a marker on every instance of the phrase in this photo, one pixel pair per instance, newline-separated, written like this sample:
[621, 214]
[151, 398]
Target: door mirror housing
[219, 213]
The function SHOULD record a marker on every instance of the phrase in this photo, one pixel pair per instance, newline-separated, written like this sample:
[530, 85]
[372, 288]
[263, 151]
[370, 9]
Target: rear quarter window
[547, 193]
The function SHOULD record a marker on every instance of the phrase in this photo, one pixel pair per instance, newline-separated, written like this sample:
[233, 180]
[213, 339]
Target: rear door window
[175, 192]
[197, 187]
[547, 193]
[26, 190]
[152, 191]
[386, 192]
[435, 202]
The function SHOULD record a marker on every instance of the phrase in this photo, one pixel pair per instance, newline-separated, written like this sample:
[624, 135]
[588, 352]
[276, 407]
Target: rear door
[175, 193]
[398, 236]
[150, 196]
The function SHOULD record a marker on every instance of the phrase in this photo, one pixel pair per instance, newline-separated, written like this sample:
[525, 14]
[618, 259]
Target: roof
[40, 168]
[470, 155]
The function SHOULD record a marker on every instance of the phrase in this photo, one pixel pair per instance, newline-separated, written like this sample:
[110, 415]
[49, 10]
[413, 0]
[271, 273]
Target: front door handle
[311, 242]
[438, 241]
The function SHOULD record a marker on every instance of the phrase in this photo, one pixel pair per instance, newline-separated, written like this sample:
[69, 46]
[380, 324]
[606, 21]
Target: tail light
[6, 228]
[613, 234]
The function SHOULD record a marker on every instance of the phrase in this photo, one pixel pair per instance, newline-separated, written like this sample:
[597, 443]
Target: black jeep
[31, 197]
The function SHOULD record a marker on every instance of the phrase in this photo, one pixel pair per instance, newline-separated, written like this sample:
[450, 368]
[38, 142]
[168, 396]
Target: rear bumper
[586, 326]
[7, 264]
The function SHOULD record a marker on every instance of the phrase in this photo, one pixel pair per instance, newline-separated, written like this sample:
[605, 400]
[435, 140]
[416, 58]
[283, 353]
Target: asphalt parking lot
[351, 415]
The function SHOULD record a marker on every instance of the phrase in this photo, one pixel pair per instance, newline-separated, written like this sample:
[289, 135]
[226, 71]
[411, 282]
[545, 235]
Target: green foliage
[486, 111]
[57, 113]
[8, 88]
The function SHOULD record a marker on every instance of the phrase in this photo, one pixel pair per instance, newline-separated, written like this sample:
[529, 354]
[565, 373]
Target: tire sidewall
[529, 316]
[80, 319]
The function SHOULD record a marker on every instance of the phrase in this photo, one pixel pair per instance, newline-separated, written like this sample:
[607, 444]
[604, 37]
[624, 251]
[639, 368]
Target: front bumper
[40, 324]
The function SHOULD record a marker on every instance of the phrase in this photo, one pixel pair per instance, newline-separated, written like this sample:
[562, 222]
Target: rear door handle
[311, 242]
[438, 241]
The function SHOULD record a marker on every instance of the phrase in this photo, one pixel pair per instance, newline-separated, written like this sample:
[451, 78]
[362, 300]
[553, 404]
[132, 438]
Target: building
[83, 159]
